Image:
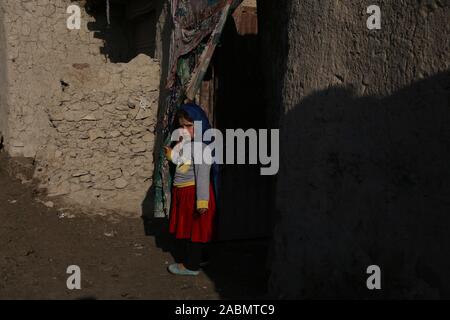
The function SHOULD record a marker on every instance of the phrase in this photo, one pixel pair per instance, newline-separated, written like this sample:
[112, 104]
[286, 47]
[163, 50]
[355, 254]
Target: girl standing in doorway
[193, 207]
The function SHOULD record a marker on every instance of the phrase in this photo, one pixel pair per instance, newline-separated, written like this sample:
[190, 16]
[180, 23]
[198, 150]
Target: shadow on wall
[117, 44]
[365, 181]
[125, 37]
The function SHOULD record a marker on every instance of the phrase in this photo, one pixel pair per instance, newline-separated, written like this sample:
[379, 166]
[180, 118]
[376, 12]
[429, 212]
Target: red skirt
[185, 222]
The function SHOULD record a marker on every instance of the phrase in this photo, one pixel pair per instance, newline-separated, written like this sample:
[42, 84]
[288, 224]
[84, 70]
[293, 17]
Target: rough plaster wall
[38, 44]
[77, 114]
[364, 176]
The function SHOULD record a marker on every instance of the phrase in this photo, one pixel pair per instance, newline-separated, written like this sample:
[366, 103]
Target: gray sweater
[190, 172]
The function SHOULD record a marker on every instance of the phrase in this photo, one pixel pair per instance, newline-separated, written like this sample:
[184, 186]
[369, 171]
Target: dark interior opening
[131, 29]
[239, 103]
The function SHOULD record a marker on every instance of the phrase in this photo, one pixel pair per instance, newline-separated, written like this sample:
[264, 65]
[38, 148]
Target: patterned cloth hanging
[162, 179]
[193, 22]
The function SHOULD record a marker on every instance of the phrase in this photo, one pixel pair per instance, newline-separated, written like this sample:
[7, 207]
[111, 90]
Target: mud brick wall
[101, 150]
[87, 122]
[364, 174]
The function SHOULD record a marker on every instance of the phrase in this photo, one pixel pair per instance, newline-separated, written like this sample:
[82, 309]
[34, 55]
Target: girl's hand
[202, 210]
[168, 152]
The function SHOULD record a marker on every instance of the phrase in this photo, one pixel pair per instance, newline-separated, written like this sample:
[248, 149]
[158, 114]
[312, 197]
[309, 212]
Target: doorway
[233, 96]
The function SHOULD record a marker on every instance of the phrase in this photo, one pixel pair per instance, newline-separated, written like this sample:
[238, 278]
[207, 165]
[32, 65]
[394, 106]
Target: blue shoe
[175, 269]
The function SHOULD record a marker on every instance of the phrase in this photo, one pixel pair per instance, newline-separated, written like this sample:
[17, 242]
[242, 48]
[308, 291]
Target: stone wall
[364, 175]
[101, 152]
[88, 123]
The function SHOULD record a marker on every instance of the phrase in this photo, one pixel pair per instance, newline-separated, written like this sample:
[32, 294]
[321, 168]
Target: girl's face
[188, 126]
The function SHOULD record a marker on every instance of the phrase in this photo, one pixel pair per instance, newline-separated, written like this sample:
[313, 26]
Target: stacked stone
[100, 152]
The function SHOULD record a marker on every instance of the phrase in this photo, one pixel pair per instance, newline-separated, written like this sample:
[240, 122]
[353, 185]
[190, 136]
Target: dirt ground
[117, 257]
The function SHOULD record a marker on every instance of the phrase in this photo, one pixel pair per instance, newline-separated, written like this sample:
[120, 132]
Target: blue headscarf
[196, 113]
